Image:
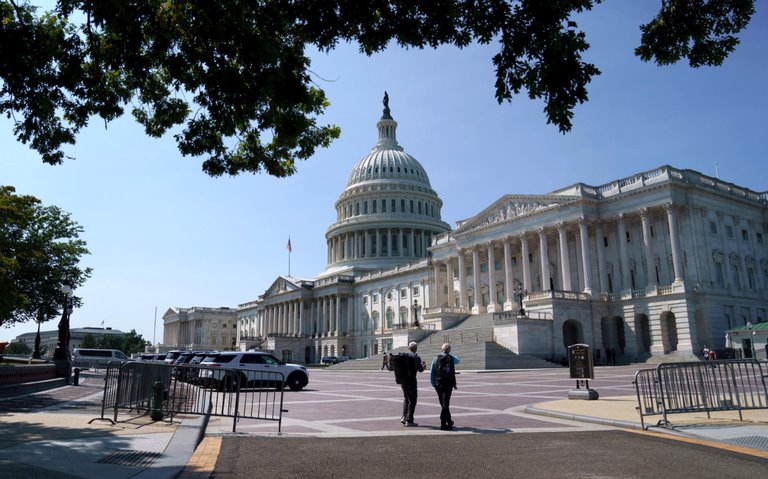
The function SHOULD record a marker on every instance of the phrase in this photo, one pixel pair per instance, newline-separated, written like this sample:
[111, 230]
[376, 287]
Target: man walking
[442, 375]
[406, 365]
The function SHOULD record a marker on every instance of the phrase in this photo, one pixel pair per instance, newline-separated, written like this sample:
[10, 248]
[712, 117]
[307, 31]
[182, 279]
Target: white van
[88, 358]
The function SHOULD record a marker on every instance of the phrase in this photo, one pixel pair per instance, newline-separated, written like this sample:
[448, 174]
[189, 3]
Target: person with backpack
[405, 366]
[442, 375]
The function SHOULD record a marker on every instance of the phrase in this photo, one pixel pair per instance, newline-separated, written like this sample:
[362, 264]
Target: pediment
[511, 207]
[281, 285]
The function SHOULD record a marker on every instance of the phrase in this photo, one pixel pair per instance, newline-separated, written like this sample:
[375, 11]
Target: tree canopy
[40, 250]
[235, 77]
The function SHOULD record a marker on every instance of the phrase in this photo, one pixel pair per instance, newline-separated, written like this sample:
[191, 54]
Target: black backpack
[403, 366]
[445, 372]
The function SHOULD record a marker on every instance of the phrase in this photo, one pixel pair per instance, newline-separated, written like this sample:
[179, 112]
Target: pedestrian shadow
[473, 430]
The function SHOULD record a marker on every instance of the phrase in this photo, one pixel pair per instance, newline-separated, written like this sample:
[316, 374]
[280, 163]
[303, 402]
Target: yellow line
[202, 462]
[701, 442]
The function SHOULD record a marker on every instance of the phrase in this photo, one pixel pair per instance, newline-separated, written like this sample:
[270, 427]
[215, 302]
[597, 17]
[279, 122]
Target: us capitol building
[655, 265]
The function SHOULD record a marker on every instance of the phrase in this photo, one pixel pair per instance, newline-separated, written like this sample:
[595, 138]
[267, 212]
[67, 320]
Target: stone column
[586, 260]
[650, 257]
[413, 243]
[545, 275]
[462, 280]
[565, 265]
[477, 307]
[336, 314]
[492, 305]
[508, 278]
[626, 278]
[449, 274]
[526, 264]
[602, 271]
[438, 293]
[302, 324]
[677, 260]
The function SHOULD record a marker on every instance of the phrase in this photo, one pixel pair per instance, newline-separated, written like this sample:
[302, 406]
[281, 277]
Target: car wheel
[296, 382]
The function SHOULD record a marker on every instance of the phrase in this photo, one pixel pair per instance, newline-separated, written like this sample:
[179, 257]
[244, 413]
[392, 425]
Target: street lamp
[416, 308]
[751, 339]
[520, 293]
[61, 355]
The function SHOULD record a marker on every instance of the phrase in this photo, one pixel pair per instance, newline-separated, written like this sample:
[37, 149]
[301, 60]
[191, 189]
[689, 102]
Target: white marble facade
[656, 264]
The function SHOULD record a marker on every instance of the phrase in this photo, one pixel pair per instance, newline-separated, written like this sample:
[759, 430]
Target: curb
[590, 419]
[10, 390]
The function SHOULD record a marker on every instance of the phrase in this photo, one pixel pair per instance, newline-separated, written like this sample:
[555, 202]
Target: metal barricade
[675, 388]
[195, 390]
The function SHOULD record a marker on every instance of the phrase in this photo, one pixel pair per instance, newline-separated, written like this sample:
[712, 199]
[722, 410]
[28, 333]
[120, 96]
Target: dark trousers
[410, 396]
[444, 396]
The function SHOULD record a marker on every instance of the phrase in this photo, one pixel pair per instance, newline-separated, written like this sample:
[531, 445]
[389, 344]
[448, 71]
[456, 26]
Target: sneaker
[402, 420]
[410, 424]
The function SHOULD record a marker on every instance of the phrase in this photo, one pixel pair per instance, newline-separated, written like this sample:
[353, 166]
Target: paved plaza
[346, 424]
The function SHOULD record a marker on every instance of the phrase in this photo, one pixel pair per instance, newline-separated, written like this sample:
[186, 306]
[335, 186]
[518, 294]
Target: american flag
[289, 245]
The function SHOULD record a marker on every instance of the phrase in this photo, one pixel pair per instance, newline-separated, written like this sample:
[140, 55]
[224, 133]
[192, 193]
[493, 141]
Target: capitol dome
[388, 212]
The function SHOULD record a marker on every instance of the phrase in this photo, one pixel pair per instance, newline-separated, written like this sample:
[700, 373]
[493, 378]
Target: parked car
[90, 357]
[329, 360]
[220, 371]
[343, 359]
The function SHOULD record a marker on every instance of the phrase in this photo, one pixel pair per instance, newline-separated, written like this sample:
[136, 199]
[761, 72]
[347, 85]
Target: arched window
[402, 206]
[365, 208]
[403, 316]
[390, 318]
[375, 317]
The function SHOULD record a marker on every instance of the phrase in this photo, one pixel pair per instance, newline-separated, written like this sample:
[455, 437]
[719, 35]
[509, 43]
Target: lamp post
[751, 339]
[61, 355]
[416, 308]
[520, 293]
[36, 350]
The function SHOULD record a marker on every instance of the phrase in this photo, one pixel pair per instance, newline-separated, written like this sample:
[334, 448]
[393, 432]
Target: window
[365, 299]
[605, 241]
[389, 296]
[497, 264]
[483, 267]
[403, 293]
[629, 238]
[469, 270]
[375, 298]
[419, 207]
[402, 206]
[375, 203]
[365, 208]
[729, 231]
[530, 257]
[415, 290]
[759, 238]
[394, 206]
[411, 206]
[357, 208]
[713, 227]
[745, 235]
[719, 277]
[735, 272]
[383, 206]
[751, 278]
[390, 317]
[514, 261]
[652, 232]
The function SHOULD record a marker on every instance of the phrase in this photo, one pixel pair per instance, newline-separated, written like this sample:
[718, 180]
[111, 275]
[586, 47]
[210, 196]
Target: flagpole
[289, 255]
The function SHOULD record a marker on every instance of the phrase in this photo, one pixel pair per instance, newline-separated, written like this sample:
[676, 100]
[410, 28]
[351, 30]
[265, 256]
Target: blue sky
[162, 233]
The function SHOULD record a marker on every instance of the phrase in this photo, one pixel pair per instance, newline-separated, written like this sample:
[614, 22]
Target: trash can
[76, 379]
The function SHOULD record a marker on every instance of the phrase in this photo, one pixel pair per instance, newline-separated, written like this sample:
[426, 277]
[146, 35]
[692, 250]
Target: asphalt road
[602, 454]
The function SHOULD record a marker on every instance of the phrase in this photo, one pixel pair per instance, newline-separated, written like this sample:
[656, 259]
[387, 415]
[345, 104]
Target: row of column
[286, 318]
[565, 271]
[379, 244]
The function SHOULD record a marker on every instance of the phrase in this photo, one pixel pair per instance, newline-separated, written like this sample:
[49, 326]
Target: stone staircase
[471, 340]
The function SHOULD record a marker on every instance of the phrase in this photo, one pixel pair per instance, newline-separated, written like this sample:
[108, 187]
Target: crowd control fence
[697, 387]
[192, 390]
